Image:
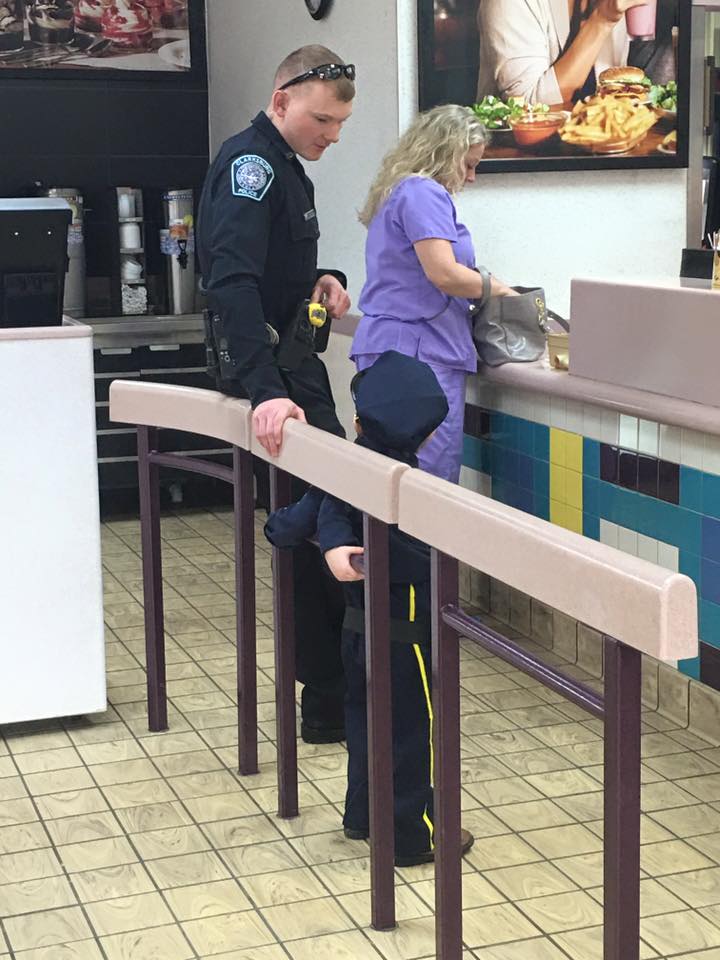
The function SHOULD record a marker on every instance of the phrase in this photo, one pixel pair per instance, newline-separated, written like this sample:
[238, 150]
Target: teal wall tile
[591, 457]
[541, 441]
[710, 622]
[525, 436]
[542, 507]
[691, 483]
[591, 526]
[472, 452]
[690, 566]
[690, 667]
[711, 495]
[541, 477]
[591, 496]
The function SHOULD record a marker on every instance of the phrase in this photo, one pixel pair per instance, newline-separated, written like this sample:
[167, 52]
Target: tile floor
[125, 845]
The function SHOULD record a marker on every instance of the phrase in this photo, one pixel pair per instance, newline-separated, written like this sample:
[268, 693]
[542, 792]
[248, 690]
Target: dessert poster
[562, 84]
[128, 35]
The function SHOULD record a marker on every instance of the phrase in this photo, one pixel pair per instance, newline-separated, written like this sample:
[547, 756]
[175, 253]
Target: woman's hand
[614, 10]
[338, 559]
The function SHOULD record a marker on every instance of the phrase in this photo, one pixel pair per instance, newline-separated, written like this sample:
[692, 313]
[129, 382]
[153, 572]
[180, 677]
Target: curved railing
[639, 607]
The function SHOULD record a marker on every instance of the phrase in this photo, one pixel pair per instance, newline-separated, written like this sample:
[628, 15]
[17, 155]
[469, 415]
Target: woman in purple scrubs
[419, 266]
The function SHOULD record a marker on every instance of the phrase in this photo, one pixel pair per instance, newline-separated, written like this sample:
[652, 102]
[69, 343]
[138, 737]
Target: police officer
[257, 244]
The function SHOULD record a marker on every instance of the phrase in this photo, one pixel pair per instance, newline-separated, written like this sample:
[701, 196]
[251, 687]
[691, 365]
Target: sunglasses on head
[327, 71]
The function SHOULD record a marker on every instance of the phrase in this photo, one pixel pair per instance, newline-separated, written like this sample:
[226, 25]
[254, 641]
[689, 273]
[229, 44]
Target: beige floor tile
[241, 831]
[677, 766]
[477, 892]
[44, 760]
[153, 816]
[232, 931]
[36, 741]
[563, 783]
[12, 788]
[129, 913]
[100, 733]
[501, 923]
[159, 942]
[698, 888]
[28, 865]
[136, 794]
[46, 928]
[563, 911]
[182, 764]
[689, 821]
[584, 807]
[200, 901]
[172, 743]
[13, 812]
[410, 940]
[708, 845]
[110, 751]
[316, 819]
[325, 848]
[530, 880]
[505, 851]
[292, 886]
[317, 917]
[57, 781]
[538, 949]
[309, 795]
[168, 842]
[654, 899]
[30, 895]
[705, 788]
[226, 806]
[563, 841]
[345, 876]
[110, 883]
[663, 794]
[95, 854]
[124, 771]
[79, 950]
[24, 836]
[210, 784]
[588, 944]
[184, 870]
[536, 813]
[73, 803]
[262, 858]
[674, 932]
[492, 793]
[408, 906]
[672, 856]
[586, 870]
[93, 826]
[352, 945]
[477, 769]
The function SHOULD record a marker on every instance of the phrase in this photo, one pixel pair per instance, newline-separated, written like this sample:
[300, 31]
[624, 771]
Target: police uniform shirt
[257, 245]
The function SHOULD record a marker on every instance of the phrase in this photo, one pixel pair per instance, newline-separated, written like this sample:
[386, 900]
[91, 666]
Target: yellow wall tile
[573, 519]
[557, 446]
[574, 452]
[574, 489]
[558, 484]
[557, 513]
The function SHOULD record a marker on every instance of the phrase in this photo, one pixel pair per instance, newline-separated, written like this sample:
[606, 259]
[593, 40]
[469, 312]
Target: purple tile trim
[608, 463]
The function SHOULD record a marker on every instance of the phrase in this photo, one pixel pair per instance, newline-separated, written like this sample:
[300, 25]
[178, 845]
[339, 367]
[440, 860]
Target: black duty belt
[401, 631]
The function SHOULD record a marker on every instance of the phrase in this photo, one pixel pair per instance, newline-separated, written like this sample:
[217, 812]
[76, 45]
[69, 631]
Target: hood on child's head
[399, 402]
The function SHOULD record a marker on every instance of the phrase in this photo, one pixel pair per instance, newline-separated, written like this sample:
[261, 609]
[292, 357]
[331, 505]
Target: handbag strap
[561, 321]
[487, 286]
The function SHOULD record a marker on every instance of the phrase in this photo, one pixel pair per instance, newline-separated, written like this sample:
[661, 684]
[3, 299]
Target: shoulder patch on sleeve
[251, 176]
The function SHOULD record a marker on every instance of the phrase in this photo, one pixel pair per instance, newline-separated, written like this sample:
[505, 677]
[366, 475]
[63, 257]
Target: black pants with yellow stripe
[412, 742]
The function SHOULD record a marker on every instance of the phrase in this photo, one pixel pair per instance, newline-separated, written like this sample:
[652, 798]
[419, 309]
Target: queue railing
[637, 606]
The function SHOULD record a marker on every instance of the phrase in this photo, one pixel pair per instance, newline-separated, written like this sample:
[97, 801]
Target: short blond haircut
[308, 57]
[434, 146]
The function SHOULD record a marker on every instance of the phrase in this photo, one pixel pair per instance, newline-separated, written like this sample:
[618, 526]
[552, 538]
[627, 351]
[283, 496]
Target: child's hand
[338, 559]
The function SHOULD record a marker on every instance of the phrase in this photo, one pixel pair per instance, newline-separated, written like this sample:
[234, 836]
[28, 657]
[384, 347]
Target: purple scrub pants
[441, 456]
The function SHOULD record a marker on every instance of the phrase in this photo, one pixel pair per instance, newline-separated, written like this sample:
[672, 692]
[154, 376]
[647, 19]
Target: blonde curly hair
[434, 146]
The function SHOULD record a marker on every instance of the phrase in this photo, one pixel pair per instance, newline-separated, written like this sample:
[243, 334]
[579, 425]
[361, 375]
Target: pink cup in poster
[640, 21]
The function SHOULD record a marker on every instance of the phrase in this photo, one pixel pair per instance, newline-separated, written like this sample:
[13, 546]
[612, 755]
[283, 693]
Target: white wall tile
[668, 556]
[574, 416]
[648, 438]
[647, 548]
[592, 421]
[691, 448]
[558, 412]
[608, 533]
[610, 427]
[711, 453]
[541, 409]
[628, 436]
[627, 541]
[476, 480]
[669, 447]
[525, 405]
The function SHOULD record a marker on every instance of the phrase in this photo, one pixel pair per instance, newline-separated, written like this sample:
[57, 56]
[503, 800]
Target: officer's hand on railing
[331, 293]
[268, 420]
[339, 561]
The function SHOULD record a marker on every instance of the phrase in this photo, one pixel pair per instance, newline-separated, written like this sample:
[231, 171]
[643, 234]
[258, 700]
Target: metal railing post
[284, 631]
[446, 747]
[379, 723]
[149, 489]
[623, 688]
[245, 632]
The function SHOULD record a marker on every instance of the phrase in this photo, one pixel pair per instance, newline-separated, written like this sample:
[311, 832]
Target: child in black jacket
[399, 404]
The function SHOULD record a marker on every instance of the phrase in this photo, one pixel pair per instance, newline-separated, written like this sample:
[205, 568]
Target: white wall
[528, 227]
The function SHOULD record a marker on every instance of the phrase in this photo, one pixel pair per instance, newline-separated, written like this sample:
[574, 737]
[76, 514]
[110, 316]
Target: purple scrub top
[402, 310]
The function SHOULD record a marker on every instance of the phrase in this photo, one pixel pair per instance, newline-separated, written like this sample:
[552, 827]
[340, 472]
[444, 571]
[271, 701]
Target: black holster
[300, 339]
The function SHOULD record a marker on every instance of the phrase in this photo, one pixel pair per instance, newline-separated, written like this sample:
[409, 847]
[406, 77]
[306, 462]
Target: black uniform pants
[319, 601]
[411, 740]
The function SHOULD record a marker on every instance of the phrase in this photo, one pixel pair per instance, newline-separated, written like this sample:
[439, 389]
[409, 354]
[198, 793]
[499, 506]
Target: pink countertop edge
[70, 329]
[540, 377]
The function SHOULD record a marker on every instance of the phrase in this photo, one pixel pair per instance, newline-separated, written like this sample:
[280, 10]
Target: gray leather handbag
[510, 329]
